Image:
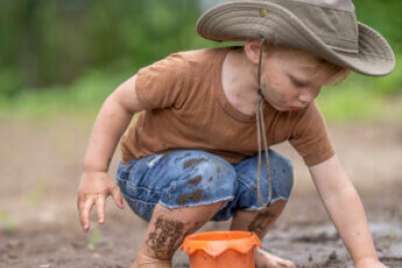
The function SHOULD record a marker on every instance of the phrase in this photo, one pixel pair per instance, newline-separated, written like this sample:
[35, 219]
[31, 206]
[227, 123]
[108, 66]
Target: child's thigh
[176, 179]
[282, 180]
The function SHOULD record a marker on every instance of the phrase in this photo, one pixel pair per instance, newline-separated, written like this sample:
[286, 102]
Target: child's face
[292, 79]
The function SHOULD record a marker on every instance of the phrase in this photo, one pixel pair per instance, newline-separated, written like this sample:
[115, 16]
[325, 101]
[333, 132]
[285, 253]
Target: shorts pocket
[141, 208]
[139, 184]
[140, 199]
[123, 170]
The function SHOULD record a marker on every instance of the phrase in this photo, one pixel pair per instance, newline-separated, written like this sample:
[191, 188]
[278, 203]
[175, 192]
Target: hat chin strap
[262, 138]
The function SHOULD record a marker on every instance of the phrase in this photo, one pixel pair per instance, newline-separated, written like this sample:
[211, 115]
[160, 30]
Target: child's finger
[89, 203]
[80, 205]
[117, 197]
[100, 206]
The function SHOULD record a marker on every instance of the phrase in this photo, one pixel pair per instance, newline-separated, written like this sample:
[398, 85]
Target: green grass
[361, 98]
[358, 98]
[94, 238]
[82, 99]
[345, 103]
[7, 222]
[352, 105]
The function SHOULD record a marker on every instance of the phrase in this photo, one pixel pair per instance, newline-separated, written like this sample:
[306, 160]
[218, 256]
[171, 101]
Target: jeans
[190, 178]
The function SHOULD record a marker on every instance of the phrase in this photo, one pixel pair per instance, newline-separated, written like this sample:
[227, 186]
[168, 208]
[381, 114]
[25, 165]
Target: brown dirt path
[40, 168]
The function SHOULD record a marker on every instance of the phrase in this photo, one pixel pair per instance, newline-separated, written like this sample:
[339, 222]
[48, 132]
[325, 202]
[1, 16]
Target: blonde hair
[339, 74]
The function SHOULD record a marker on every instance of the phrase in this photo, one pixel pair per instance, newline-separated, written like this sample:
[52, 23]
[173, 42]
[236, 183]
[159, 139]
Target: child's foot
[143, 261]
[264, 259]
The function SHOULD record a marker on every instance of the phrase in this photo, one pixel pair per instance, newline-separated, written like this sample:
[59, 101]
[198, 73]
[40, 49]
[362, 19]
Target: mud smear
[319, 238]
[166, 237]
[193, 162]
[195, 181]
[195, 196]
[392, 262]
[261, 221]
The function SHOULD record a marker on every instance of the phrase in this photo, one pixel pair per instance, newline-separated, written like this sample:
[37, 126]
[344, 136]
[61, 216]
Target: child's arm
[346, 211]
[96, 185]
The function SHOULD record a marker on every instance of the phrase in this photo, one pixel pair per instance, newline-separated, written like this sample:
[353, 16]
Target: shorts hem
[204, 203]
[255, 208]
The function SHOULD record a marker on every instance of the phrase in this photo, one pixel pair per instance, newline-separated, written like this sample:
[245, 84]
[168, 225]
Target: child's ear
[252, 50]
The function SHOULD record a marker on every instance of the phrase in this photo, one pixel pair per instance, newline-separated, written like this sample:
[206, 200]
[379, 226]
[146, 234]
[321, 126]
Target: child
[199, 149]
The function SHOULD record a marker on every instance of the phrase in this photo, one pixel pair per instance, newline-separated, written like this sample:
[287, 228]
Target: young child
[199, 148]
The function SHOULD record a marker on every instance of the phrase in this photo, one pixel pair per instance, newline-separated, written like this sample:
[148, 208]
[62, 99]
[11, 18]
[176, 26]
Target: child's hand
[94, 189]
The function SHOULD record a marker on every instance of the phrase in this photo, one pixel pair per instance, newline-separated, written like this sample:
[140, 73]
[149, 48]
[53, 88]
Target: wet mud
[195, 196]
[195, 181]
[163, 241]
[193, 162]
[39, 226]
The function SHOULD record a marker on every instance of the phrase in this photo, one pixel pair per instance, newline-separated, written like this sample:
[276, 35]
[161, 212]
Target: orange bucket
[234, 249]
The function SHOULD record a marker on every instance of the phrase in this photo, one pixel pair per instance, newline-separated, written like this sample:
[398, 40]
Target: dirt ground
[40, 168]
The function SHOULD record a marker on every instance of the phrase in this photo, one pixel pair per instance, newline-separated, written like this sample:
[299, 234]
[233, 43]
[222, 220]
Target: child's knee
[283, 171]
[205, 180]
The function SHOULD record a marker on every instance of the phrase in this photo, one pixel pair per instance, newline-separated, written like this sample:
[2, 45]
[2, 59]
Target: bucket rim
[214, 243]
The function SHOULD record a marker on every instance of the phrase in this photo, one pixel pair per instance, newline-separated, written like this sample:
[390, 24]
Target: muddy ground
[40, 168]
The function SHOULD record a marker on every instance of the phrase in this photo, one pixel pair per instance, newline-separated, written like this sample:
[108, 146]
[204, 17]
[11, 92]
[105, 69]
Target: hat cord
[262, 138]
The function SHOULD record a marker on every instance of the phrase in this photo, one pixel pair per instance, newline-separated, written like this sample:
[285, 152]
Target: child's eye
[298, 83]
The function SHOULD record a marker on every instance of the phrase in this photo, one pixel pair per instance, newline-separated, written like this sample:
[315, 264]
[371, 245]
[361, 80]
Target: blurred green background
[63, 57]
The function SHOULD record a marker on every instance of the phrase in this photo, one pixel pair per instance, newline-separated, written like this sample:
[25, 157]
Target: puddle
[318, 246]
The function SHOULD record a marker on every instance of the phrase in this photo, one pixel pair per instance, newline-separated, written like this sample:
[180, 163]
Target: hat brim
[240, 21]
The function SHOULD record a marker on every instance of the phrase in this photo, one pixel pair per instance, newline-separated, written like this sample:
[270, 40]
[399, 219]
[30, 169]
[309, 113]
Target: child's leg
[177, 193]
[166, 232]
[249, 215]
[259, 221]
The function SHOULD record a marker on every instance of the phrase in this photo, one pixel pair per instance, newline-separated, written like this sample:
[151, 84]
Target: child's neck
[239, 81]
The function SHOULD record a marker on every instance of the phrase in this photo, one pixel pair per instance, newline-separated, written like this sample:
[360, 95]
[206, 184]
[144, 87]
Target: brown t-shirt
[186, 107]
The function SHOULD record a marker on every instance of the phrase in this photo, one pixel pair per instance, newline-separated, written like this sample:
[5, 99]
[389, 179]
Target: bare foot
[143, 261]
[264, 259]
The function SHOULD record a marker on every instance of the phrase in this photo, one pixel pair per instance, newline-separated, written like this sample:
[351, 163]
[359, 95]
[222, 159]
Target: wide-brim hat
[327, 28]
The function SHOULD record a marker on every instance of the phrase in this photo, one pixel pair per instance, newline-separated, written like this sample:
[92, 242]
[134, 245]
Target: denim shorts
[190, 178]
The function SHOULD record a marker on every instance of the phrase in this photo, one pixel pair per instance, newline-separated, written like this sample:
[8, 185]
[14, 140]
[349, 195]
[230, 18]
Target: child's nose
[306, 97]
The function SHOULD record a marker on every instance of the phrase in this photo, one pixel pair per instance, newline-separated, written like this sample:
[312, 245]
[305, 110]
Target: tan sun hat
[327, 28]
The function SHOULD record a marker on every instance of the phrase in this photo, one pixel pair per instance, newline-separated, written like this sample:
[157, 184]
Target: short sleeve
[310, 137]
[162, 84]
